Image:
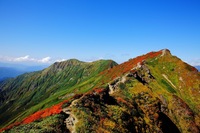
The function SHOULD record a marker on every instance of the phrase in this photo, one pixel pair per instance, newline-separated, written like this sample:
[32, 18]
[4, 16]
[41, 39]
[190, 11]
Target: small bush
[122, 86]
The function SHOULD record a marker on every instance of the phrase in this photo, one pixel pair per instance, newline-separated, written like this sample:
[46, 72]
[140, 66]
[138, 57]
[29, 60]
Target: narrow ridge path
[71, 120]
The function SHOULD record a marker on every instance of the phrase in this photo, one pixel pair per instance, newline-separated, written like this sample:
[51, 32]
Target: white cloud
[5, 58]
[45, 60]
[23, 58]
[26, 58]
[60, 60]
[194, 62]
[93, 59]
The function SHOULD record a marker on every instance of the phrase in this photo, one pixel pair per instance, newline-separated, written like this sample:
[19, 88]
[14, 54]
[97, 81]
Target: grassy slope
[183, 97]
[151, 107]
[31, 92]
[49, 124]
[185, 79]
[137, 107]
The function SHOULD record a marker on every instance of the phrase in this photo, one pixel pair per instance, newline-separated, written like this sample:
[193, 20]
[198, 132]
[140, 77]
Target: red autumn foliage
[101, 120]
[127, 66]
[100, 90]
[10, 126]
[56, 109]
[121, 100]
[194, 69]
[111, 74]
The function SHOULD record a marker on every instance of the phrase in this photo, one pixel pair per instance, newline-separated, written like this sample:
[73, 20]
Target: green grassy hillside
[31, 92]
[159, 93]
[155, 92]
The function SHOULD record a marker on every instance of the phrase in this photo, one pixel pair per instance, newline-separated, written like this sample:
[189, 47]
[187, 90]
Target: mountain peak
[62, 65]
[165, 52]
[148, 93]
[70, 61]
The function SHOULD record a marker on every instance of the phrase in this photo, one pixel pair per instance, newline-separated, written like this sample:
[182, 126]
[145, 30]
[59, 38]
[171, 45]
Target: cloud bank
[60, 60]
[26, 58]
[49, 60]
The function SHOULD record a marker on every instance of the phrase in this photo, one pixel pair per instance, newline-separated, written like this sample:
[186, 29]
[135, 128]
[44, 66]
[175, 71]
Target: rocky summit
[155, 92]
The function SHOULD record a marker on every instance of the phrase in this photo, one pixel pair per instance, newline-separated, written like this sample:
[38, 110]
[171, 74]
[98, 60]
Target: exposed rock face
[141, 113]
[70, 120]
[151, 93]
[142, 74]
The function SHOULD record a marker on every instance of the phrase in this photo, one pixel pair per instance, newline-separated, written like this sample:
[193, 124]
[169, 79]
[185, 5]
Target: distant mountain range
[154, 92]
[13, 70]
[198, 67]
[6, 72]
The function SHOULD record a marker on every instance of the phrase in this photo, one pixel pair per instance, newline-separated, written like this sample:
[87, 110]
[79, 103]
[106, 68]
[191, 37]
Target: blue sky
[43, 31]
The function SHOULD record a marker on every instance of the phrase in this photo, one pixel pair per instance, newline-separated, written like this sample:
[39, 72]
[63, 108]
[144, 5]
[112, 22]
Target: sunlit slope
[155, 92]
[30, 92]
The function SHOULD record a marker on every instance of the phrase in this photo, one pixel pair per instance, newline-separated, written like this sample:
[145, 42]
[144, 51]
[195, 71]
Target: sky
[45, 31]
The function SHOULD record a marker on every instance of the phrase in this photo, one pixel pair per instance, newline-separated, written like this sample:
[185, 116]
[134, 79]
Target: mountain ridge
[32, 85]
[146, 93]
